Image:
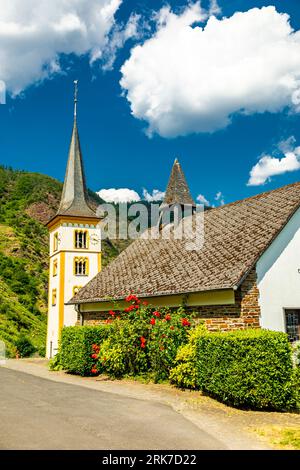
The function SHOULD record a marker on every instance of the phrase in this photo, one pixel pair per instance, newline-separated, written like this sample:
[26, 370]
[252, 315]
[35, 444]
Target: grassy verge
[287, 438]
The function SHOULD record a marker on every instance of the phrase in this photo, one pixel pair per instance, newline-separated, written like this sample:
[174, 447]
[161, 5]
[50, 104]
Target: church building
[246, 274]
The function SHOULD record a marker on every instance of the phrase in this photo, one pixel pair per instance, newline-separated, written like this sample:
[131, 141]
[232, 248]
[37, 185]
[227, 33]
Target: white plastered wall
[278, 276]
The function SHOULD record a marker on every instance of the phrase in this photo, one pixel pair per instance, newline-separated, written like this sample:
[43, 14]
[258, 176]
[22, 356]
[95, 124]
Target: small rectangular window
[54, 271]
[292, 321]
[53, 297]
[55, 241]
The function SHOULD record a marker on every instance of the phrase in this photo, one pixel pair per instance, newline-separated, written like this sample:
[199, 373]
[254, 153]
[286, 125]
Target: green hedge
[76, 347]
[249, 369]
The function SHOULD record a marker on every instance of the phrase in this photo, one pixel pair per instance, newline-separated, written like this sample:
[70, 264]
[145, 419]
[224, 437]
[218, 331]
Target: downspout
[77, 308]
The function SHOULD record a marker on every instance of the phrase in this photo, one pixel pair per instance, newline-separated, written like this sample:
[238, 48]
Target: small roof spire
[177, 191]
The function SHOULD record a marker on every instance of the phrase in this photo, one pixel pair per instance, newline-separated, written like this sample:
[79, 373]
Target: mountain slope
[27, 201]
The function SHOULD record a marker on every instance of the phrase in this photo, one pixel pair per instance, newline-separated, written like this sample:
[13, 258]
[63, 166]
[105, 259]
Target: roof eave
[73, 300]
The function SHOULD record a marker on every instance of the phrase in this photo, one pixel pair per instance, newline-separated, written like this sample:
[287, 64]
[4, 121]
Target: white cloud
[120, 34]
[156, 195]
[220, 198]
[269, 166]
[118, 195]
[187, 78]
[34, 32]
[214, 8]
[202, 200]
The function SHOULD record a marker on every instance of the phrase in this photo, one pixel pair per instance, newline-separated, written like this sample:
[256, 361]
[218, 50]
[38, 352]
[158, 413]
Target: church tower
[75, 244]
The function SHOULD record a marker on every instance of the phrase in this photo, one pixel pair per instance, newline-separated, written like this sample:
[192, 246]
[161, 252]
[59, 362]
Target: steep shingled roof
[74, 199]
[235, 236]
[177, 191]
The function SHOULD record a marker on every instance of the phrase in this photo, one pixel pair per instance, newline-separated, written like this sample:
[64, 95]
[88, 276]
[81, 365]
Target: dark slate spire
[177, 190]
[74, 199]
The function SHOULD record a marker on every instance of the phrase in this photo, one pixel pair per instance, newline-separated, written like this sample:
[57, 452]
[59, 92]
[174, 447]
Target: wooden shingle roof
[235, 236]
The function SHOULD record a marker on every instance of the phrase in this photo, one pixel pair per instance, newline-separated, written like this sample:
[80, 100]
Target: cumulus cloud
[119, 195]
[202, 200]
[269, 165]
[193, 74]
[34, 33]
[156, 195]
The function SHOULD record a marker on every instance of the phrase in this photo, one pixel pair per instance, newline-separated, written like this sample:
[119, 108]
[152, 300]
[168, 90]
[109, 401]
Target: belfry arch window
[81, 266]
[81, 239]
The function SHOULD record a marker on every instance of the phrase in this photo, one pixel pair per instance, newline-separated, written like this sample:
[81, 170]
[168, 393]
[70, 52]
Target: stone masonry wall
[243, 314]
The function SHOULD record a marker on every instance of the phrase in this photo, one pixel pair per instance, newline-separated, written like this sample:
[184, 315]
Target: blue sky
[36, 123]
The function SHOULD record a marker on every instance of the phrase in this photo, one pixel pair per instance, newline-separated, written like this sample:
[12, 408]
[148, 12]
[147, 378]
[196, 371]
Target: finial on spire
[75, 97]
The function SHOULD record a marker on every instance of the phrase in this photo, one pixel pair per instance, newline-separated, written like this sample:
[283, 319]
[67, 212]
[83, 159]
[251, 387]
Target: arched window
[81, 239]
[81, 266]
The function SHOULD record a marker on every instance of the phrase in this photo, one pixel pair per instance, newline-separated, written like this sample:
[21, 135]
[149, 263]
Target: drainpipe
[77, 308]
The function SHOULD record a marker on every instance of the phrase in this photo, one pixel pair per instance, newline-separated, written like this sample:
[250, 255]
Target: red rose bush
[142, 341]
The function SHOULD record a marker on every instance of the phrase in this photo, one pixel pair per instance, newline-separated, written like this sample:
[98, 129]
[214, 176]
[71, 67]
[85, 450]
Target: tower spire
[74, 199]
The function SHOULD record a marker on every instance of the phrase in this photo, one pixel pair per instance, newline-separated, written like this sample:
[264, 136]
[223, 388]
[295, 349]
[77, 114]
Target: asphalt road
[37, 413]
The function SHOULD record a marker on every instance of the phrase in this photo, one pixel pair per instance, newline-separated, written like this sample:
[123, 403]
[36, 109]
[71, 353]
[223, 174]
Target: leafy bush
[24, 346]
[250, 368]
[55, 363]
[76, 348]
[185, 374]
[142, 340]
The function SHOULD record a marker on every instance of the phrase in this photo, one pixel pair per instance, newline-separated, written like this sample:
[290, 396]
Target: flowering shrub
[168, 332]
[142, 340]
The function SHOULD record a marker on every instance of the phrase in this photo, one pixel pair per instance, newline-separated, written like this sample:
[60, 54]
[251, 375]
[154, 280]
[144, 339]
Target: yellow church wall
[216, 297]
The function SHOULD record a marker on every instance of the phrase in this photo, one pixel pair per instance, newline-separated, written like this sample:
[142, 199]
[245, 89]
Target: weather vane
[75, 97]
